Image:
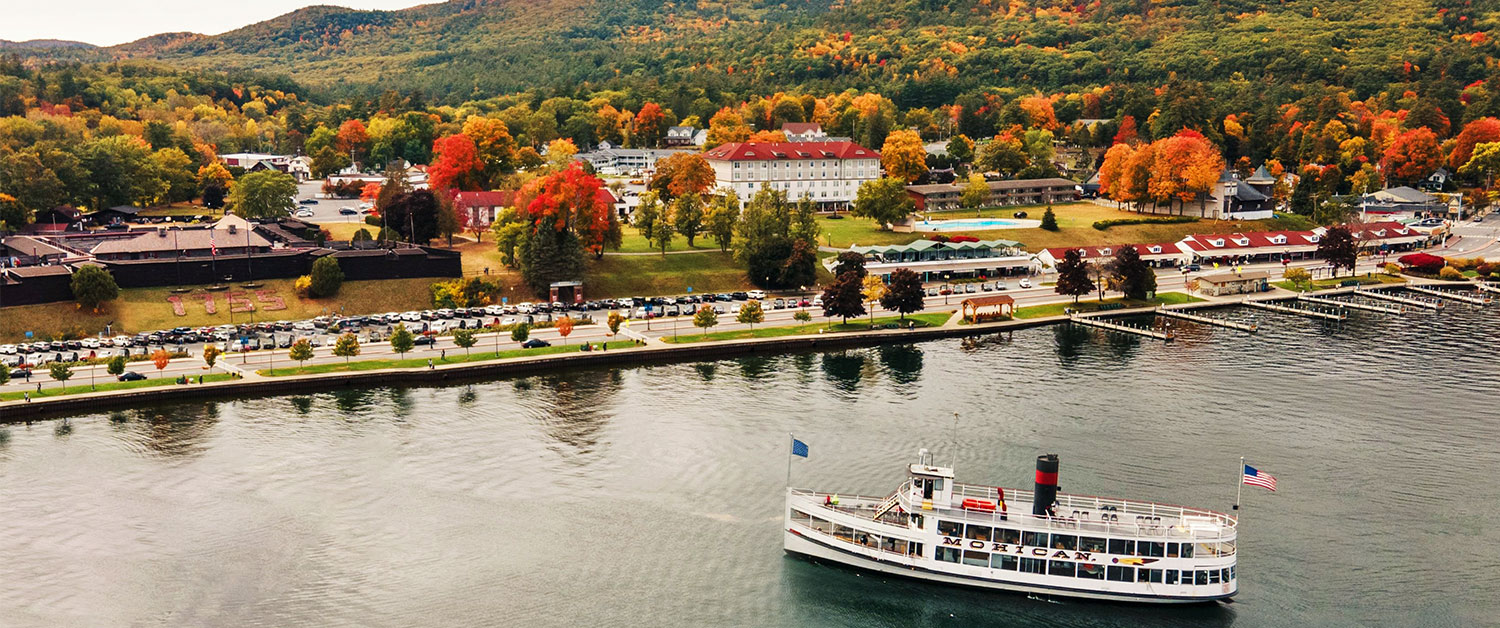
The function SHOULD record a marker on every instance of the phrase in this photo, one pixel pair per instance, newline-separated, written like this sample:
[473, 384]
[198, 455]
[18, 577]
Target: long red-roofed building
[1160, 255]
[829, 173]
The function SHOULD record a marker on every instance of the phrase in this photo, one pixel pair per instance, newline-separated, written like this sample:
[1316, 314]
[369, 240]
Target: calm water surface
[651, 496]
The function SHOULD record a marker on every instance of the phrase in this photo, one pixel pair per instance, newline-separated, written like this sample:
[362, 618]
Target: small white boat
[1039, 542]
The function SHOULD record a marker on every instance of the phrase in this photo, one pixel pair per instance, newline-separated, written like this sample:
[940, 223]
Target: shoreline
[49, 407]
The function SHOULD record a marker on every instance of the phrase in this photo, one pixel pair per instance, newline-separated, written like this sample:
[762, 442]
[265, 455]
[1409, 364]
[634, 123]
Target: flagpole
[1240, 484]
[789, 458]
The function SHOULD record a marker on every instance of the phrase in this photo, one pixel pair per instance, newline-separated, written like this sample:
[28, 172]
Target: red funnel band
[1045, 478]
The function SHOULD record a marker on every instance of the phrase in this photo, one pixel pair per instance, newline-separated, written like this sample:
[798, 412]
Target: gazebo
[988, 308]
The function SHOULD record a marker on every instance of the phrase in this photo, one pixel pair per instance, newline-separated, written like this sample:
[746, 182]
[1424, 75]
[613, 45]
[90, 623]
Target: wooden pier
[1384, 296]
[1353, 305]
[1488, 287]
[1264, 305]
[1124, 329]
[1248, 327]
[1462, 298]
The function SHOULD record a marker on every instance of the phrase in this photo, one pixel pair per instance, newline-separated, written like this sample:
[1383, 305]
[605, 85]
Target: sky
[110, 22]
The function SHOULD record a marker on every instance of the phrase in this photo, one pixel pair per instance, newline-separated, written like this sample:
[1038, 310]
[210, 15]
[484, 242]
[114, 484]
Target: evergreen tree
[1049, 219]
[1073, 275]
[1302, 201]
[549, 255]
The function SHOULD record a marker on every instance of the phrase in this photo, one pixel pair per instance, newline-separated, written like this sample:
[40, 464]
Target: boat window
[866, 539]
[950, 528]
[1213, 576]
[948, 554]
[977, 559]
[1154, 549]
[843, 532]
[1187, 550]
[1148, 575]
[820, 525]
[981, 533]
[1171, 576]
[916, 549]
[1061, 568]
[1200, 577]
[1206, 549]
[1034, 539]
[1064, 541]
[1003, 561]
[1224, 574]
[1232, 575]
[1033, 565]
[1120, 574]
[1007, 535]
[1226, 548]
[1171, 550]
[1091, 544]
[1121, 546]
[801, 517]
[1092, 572]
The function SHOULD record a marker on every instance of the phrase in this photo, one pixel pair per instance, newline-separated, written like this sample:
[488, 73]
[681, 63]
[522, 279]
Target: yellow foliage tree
[903, 157]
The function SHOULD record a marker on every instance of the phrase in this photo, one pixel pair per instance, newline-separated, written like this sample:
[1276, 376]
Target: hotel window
[1003, 561]
[948, 554]
[1034, 539]
[1119, 574]
[1061, 568]
[1171, 576]
[1092, 572]
[1118, 546]
[981, 533]
[976, 559]
[1033, 565]
[950, 528]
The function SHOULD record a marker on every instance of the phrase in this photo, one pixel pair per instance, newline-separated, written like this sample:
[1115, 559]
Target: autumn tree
[724, 127]
[903, 157]
[750, 313]
[353, 139]
[845, 297]
[1412, 156]
[1073, 275]
[1005, 155]
[873, 287]
[1338, 247]
[680, 174]
[650, 125]
[560, 152]
[976, 192]
[883, 200]
[1114, 182]
[567, 218]
[1476, 132]
[614, 322]
[565, 327]
[493, 145]
[301, 351]
[904, 294]
[160, 359]
[850, 262]
[1485, 160]
[1185, 167]
[705, 318]
[456, 164]
[722, 215]
[347, 346]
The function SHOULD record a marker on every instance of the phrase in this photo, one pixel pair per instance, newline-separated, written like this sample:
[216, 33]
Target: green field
[1092, 305]
[76, 387]
[454, 358]
[1336, 282]
[855, 324]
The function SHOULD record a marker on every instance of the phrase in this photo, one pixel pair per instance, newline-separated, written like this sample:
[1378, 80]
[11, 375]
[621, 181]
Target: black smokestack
[1046, 485]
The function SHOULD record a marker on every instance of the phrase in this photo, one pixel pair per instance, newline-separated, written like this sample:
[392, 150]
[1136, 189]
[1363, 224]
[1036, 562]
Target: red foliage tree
[353, 137]
[1476, 132]
[1127, 133]
[1423, 262]
[1414, 155]
[456, 164]
[568, 200]
[650, 125]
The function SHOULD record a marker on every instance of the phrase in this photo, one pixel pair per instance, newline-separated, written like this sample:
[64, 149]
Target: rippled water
[651, 496]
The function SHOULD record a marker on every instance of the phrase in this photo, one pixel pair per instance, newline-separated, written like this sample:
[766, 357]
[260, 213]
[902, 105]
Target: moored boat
[1039, 541]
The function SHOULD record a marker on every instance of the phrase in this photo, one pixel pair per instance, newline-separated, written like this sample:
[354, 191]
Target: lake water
[651, 496]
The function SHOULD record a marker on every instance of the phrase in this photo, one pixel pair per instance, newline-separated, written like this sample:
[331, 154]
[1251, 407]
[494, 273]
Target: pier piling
[1430, 304]
[1353, 305]
[1124, 329]
[1462, 298]
[1264, 305]
[1247, 327]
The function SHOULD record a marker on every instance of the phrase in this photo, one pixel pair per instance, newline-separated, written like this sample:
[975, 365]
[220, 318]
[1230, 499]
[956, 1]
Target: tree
[1299, 277]
[802, 316]
[61, 371]
[722, 215]
[681, 174]
[114, 366]
[883, 200]
[302, 351]
[1132, 274]
[565, 327]
[687, 216]
[160, 358]
[520, 332]
[976, 192]
[614, 321]
[850, 262]
[402, 340]
[1005, 155]
[1476, 132]
[93, 286]
[211, 354]
[750, 313]
[120, 171]
[873, 289]
[456, 164]
[353, 138]
[904, 294]
[705, 318]
[650, 125]
[567, 215]
[654, 221]
[1412, 156]
[1333, 211]
[1485, 160]
[326, 276]
[494, 145]
[724, 127]
[961, 148]
[777, 243]
[414, 215]
[347, 346]
[1049, 220]
[362, 235]
[465, 338]
[1073, 275]
[903, 156]
[213, 176]
[1338, 247]
[845, 296]
[264, 194]
[560, 152]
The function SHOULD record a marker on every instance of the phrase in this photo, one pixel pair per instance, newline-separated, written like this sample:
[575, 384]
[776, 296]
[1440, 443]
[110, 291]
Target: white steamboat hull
[798, 544]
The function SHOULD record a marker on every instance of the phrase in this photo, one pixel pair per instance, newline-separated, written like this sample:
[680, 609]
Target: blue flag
[799, 448]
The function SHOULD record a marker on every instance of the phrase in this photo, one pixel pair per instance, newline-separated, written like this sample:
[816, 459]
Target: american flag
[213, 249]
[1262, 479]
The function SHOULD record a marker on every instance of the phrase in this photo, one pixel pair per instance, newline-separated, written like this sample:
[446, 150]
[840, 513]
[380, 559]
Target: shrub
[93, 285]
[326, 277]
[1451, 274]
[963, 238]
[373, 221]
[938, 237]
[303, 286]
[1392, 269]
[1424, 263]
[1484, 269]
[1166, 220]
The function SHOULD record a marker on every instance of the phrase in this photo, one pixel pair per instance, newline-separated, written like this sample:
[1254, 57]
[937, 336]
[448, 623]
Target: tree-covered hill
[919, 52]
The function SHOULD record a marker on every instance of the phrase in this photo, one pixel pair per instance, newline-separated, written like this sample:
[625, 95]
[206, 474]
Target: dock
[1462, 298]
[1384, 296]
[1353, 305]
[1246, 327]
[1264, 305]
[1124, 329]
[1488, 287]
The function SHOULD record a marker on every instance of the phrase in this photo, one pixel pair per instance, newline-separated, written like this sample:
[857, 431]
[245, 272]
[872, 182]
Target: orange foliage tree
[1039, 112]
[726, 126]
[567, 214]
[680, 174]
[903, 156]
[650, 125]
[456, 164]
[565, 327]
[1413, 155]
[353, 137]
[1185, 166]
[160, 358]
[1113, 179]
[1476, 132]
[494, 144]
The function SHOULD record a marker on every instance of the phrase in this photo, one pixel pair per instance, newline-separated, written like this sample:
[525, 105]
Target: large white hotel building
[828, 172]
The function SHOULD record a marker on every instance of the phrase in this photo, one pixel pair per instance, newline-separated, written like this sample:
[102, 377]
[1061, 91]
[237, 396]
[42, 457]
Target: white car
[90, 343]
[525, 308]
[303, 326]
[494, 310]
[303, 213]
[1025, 283]
[8, 349]
[411, 317]
[757, 294]
[818, 301]
[120, 341]
[509, 320]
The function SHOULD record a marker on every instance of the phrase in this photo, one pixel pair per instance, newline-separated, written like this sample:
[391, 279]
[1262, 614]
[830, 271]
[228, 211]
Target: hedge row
[1166, 220]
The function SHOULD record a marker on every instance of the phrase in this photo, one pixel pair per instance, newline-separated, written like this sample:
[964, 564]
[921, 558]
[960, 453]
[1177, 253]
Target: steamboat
[1040, 542]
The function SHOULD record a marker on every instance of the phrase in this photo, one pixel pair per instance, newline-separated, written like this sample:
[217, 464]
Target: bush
[326, 277]
[1424, 263]
[963, 238]
[1484, 269]
[303, 286]
[1392, 269]
[1451, 274]
[373, 221]
[1165, 220]
[93, 285]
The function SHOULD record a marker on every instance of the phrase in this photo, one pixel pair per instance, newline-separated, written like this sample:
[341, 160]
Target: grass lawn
[1092, 305]
[632, 242]
[1075, 228]
[111, 384]
[861, 324]
[342, 230]
[455, 358]
[632, 275]
[183, 209]
[147, 309]
[1336, 282]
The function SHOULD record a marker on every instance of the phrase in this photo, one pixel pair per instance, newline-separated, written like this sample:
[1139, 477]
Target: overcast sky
[109, 22]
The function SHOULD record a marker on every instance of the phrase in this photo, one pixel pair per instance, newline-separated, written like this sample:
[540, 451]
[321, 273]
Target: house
[829, 173]
[1234, 283]
[59, 218]
[230, 236]
[939, 196]
[941, 261]
[1159, 255]
[1260, 246]
[802, 131]
[684, 136]
[118, 213]
[1437, 181]
[416, 177]
[609, 159]
[477, 210]
[1403, 200]
[300, 167]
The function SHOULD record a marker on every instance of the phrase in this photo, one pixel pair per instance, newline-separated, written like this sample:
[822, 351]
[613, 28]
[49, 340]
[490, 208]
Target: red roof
[1094, 252]
[1255, 240]
[606, 196]
[768, 151]
[1382, 230]
[800, 128]
[465, 200]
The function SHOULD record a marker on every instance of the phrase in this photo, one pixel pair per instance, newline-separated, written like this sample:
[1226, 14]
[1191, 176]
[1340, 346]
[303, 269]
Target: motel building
[1244, 248]
[829, 173]
[1380, 238]
[1160, 255]
[943, 261]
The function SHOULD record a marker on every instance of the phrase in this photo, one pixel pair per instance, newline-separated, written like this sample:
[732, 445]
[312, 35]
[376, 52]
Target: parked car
[1191, 268]
[535, 343]
[8, 349]
[986, 286]
[1020, 214]
[348, 211]
[756, 294]
[1025, 283]
[1000, 285]
[424, 340]
[303, 213]
[969, 288]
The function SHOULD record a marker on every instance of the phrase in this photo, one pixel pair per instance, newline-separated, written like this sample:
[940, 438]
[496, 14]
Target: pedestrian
[445, 354]
[27, 395]
[429, 362]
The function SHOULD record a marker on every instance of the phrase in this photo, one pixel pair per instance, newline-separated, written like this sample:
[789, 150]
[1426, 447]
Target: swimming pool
[975, 224]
